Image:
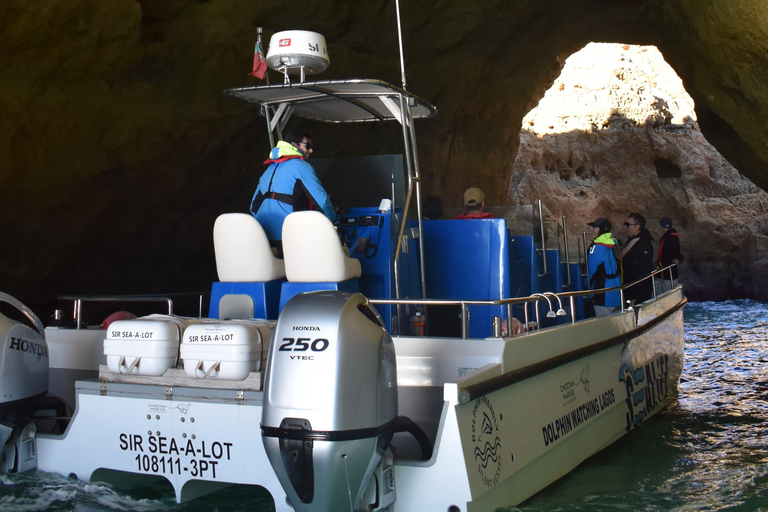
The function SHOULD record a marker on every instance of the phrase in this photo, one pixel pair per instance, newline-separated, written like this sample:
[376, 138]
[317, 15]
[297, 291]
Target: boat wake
[45, 492]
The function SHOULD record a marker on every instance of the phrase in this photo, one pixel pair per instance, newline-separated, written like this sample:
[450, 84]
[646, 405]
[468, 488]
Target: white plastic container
[228, 350]
[144, 346]
[294, 49]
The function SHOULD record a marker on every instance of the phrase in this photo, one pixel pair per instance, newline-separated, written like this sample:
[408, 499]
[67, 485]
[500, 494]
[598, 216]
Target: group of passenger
[290, 184]
[610, 265]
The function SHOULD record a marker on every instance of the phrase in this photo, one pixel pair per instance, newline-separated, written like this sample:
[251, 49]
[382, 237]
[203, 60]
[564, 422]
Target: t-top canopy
[336, 101]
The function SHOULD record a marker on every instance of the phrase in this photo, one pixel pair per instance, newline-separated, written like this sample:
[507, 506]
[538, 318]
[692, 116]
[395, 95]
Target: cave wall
[117, 148]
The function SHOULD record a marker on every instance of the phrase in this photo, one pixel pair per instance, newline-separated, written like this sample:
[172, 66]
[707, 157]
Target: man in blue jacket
[289, 184]
[603, 269]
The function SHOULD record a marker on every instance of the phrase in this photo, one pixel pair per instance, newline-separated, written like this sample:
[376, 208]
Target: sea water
[707, 452]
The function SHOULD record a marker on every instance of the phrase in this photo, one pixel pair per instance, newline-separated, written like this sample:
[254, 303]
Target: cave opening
[666, 169]
[616, 133]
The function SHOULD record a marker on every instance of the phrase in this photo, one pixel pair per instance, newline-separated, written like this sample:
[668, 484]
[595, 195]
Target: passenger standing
[289, 184]
[603, 268]
[636, 257]
[474, 201]
[669, 253]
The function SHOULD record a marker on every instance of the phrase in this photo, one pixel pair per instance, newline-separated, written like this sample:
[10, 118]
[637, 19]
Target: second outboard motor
[23, 382]
[330, 399]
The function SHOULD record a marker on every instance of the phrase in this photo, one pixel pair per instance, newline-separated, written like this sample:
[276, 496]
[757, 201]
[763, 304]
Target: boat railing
[567, 284]
[549, 297]
[543, 249]
[79, 300]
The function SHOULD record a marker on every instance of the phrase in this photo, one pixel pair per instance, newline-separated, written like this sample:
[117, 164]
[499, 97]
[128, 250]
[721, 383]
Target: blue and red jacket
[604, 271]
[289, 184]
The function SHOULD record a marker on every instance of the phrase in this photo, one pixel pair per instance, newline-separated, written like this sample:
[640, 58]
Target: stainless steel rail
[567, 256]
[543, 241]
[79, 300]
[535, 298]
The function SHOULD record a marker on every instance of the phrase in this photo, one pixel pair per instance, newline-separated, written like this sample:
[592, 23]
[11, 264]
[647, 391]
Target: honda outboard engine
[23, 380]
[330, 399]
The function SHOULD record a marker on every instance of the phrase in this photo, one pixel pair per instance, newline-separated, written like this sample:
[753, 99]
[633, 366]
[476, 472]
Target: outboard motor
[23, 382]
[330, 400]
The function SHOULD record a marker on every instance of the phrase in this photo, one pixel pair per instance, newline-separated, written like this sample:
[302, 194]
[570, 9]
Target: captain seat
[314, 257]
[246, 266]
[313, 251]
[242, 250]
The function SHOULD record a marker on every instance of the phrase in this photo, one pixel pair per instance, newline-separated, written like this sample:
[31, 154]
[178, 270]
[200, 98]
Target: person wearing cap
[474, 201]
[289, 184]
[636, 257]
[603, 270]
[669, 253]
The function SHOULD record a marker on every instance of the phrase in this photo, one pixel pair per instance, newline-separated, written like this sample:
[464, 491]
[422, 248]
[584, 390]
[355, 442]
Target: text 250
[304, 344]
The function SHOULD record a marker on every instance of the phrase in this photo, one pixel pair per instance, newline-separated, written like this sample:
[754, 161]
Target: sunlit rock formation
[616, 134]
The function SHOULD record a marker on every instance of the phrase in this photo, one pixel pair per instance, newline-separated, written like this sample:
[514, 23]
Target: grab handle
[128, 369]
[200, 374]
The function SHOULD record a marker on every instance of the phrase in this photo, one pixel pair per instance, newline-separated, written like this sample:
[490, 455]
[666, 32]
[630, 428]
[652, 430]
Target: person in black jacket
[636, 258]
[669, 253]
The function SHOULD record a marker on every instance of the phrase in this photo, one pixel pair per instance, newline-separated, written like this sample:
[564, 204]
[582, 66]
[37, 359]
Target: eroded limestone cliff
[616, 134]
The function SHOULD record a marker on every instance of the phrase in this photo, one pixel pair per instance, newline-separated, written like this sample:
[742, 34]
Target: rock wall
[117, 148]
[616, 134]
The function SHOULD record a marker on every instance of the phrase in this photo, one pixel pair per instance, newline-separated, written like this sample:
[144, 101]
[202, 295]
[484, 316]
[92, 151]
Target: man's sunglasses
[627, 224]
[307, 145]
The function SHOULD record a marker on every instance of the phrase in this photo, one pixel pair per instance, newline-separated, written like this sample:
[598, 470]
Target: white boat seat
[242, 250]
[313, 252]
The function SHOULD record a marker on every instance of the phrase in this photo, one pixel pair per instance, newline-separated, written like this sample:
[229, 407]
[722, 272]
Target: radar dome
[292, 50]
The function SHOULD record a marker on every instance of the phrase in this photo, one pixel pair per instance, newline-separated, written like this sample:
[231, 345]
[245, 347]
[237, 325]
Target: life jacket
[281, 153]
[476, 215]
[601, 276]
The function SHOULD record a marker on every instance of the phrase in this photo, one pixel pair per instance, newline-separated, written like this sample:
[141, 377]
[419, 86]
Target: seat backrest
[313, 252]
[242, 250]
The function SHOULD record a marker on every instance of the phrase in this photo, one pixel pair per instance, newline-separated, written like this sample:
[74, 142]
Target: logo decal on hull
[568, 389]
[183, 408]
[646, 386]
[485, 437]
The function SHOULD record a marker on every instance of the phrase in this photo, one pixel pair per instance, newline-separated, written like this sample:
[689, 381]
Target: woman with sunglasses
[636, 258]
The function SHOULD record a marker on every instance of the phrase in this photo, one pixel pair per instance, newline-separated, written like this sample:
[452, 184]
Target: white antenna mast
[400, 36]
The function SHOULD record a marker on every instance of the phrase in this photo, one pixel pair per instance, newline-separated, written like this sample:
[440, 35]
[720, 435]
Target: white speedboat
[314, 376]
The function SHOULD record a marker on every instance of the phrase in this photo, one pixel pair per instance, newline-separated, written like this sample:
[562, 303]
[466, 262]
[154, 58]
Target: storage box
[145, 346]
[227, 350]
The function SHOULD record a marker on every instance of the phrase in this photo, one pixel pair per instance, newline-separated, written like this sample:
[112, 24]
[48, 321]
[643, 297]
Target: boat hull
[542, 420]
[532, 410]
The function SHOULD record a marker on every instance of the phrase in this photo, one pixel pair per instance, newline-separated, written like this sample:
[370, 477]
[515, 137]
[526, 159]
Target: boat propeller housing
[330, 399]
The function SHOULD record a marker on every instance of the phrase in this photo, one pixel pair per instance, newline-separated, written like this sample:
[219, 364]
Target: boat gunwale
[474, 391]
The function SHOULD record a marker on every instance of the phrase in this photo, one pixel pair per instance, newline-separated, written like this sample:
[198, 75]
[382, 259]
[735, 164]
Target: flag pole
[400, 37]
[259, 31]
